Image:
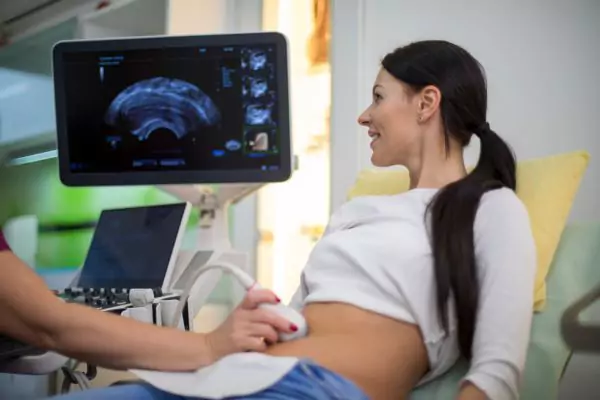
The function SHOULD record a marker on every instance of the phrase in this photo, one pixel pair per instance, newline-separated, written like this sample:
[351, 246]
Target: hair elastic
[483, 129]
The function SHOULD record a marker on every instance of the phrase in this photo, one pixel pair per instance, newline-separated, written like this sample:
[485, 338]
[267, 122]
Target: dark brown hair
[461, 81]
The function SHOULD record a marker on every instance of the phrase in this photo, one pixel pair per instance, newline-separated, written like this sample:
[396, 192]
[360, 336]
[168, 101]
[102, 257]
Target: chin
[379, 162]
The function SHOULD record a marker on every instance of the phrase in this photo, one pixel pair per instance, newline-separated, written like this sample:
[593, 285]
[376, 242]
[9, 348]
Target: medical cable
[246, 281]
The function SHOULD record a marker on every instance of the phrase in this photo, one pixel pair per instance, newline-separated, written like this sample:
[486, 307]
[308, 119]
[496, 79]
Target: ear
[430, 98]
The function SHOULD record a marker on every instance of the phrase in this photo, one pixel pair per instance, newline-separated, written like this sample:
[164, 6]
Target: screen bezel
[178, 241]
[70, 178]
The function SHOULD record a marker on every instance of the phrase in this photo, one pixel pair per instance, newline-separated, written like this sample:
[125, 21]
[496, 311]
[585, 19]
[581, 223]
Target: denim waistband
[309, 380]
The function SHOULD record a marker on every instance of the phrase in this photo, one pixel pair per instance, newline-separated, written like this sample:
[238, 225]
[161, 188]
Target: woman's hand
[248, 328]
[471, 392]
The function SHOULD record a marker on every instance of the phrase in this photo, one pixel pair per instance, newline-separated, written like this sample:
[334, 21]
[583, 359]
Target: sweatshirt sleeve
[3, 245]
[506, 255]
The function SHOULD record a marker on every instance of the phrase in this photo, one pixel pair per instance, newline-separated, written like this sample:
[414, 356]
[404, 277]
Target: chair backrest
[575, 270]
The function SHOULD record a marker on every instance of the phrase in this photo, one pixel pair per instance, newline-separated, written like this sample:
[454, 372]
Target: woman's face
[392, 119]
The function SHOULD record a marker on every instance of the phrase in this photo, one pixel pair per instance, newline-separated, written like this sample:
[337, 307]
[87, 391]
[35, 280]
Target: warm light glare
[293, 212]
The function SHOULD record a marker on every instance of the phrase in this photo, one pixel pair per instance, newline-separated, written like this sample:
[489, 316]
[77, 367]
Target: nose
[364, 119]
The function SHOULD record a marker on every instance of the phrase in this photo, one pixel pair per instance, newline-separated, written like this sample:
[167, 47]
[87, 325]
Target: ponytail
[452, 216]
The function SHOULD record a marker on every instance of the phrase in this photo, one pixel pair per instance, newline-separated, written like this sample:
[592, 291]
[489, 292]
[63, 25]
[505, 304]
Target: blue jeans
[307, 381]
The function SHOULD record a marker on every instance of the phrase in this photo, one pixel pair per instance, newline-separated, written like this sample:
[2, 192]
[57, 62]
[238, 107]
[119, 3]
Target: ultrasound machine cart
[204, 118]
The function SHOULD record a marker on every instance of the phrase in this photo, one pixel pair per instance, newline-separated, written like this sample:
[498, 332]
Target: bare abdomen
[384, 357]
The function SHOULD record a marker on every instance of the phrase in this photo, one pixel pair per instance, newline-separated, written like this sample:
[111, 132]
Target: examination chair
[568, 265]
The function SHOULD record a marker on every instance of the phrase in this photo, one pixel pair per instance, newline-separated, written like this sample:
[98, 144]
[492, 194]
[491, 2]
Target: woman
[32, 314]
[401, 286]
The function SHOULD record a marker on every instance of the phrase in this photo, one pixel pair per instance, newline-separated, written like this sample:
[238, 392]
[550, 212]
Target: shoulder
[503, 217]
[501, 199]
[388, 207]
[358, 207]
[501, 204]
[409, 200]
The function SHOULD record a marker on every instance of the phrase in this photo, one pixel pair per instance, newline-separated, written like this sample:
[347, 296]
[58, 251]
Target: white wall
[542, 59]
[215, 17]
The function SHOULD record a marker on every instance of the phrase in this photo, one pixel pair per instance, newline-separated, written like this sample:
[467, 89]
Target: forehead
[386, 80]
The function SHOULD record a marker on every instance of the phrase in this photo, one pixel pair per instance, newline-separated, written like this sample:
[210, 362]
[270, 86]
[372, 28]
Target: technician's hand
[248, 328]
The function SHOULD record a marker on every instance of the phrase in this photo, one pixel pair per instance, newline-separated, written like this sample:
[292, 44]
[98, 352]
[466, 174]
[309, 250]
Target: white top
[375, 254]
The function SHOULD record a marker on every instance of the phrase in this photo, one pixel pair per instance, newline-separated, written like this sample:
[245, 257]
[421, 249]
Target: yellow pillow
[547, 186]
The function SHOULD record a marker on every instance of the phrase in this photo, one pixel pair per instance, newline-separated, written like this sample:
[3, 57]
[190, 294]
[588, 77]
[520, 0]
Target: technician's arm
[33, 314]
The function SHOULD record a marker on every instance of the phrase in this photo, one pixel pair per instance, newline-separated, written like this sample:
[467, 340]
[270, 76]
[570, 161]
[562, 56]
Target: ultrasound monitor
[135, 247]
[173, 110]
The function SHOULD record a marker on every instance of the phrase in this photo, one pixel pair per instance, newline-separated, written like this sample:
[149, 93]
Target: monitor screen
[160, 110]
[135, 247]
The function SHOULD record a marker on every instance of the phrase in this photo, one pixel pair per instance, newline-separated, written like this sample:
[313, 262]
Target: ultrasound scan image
[255, 60]
[259, 114]
[255, 87]
[162, 103]
[258, 87]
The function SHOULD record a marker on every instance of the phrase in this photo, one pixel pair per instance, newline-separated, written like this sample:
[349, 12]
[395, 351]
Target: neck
[436, 168]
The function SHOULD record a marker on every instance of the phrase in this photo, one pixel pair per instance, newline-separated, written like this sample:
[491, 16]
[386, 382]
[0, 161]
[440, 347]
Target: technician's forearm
[120, 343]
[31, 313]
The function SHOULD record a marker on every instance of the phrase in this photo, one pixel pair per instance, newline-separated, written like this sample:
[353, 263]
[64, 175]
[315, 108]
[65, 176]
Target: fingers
[276, 321]
[255, 344]
[264, 331]
[256, 296]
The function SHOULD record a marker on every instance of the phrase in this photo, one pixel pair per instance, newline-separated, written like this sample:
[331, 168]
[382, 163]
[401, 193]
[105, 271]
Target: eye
[377, 97]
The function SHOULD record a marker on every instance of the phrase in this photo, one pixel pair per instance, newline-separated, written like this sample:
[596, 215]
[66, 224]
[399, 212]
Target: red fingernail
[293, 327]
[278, 299]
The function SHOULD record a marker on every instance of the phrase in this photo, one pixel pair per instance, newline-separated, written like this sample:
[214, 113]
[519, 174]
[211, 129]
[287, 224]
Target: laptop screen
[134, 247]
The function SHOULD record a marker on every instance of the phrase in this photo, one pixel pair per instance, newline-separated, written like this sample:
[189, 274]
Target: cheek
[384, 117]
[396, 124]
[401, 139]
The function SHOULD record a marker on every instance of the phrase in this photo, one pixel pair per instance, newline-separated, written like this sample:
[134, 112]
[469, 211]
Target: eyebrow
[375, 87]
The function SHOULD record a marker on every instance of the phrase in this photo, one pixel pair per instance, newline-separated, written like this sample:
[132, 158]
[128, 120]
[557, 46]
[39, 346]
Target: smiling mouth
[374, 137]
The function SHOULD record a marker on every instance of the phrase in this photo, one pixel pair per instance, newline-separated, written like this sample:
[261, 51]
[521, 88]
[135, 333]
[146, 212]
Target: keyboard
[101, 298]
[11, 349]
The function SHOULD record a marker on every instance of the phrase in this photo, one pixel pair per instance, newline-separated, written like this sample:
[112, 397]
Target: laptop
[132, 248]
[135, 247]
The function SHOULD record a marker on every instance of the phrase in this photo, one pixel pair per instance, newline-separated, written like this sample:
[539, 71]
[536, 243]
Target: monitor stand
[213, 243]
